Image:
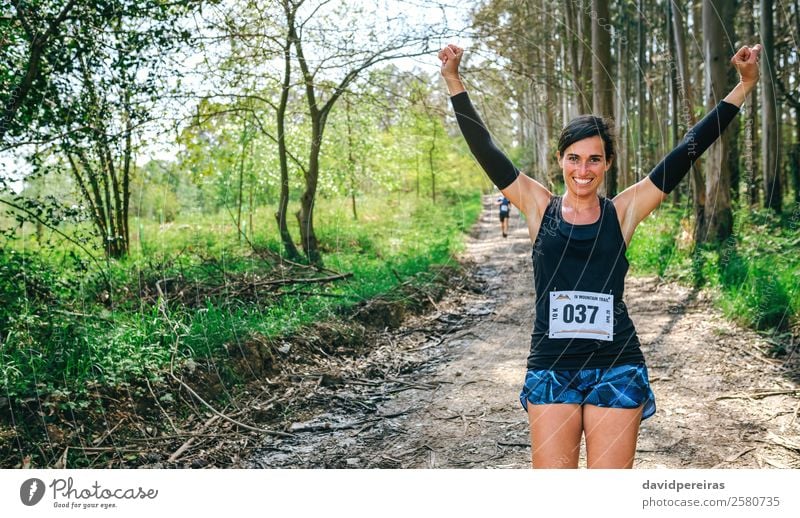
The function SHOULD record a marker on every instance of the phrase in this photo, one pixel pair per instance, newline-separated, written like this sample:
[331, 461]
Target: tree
[717, 223]
[788, 94]
[346, 57]
[100, 76]
[673, 89]
[326, 46]
[687, 94]
[30, 48]
[603, 87]
[750, 150]
[770, 130]
[579, 38]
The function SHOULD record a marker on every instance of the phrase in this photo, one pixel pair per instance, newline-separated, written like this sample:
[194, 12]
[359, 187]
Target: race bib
[503, 208]
[581, 314]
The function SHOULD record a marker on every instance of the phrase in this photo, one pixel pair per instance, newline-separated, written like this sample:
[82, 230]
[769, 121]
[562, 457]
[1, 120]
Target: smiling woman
[586, 371]
[585, 152]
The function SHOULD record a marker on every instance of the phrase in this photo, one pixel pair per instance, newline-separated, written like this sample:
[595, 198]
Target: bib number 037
[581, 314]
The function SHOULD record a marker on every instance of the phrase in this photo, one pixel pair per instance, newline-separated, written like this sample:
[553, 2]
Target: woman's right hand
[450, 56]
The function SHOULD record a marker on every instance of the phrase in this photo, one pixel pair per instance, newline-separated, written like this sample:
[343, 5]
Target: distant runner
[505, 209]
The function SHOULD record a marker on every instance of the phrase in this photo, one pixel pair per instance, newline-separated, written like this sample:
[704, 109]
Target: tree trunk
[585, 54]
[305, 216]
[641, 105]
[731, 135]
[795, 156]
[351, 161]
[751, 162]
[687, 94]
[718, 220]
[673, 91]
[620, 100]
[431, 152]
[108, 196]
[603, 98]
[770, 130]
[283, 158]
[573, 40]
[240, 197]
[127, 164]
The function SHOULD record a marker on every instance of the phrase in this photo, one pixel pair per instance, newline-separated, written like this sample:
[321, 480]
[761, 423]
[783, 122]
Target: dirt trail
[458, 406]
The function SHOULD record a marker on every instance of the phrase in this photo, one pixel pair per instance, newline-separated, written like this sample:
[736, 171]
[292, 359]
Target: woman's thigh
[611, 435]
[555, 435]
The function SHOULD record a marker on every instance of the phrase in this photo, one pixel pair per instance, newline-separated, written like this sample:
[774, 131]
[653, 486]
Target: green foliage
[58, 331]
[656, 252]
[754, 272]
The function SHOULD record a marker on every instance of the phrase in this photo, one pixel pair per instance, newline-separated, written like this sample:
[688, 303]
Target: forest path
[721, 401]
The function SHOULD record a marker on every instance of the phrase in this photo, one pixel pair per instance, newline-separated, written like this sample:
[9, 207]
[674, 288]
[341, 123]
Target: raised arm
[528, 195]
[638, 201]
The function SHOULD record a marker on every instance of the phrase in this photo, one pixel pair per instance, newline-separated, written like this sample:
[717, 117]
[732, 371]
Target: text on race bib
[581, 314]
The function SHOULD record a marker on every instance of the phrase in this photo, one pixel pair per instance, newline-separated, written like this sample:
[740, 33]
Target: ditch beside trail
[454, 375]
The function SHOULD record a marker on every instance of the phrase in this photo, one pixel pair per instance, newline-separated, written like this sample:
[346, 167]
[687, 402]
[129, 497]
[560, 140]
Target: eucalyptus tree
[717, 222]
[770, 120]
[602, 84]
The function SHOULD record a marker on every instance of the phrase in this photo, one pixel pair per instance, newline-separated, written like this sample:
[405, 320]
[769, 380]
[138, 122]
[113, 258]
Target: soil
[441, 390]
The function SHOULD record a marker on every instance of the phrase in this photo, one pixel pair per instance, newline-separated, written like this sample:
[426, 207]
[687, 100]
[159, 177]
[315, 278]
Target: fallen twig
[225, 417]
[105, 436]
[183, 447]
[155, 398]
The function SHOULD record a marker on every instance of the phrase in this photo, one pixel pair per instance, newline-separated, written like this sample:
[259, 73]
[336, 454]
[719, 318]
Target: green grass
[755, 273]
[60, 335]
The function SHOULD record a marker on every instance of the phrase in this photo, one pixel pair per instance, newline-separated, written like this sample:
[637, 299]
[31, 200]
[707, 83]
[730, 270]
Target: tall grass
[61, 332]
[755, 273]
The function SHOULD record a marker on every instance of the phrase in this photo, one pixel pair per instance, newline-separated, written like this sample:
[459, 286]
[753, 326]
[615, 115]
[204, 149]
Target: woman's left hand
[746, 63]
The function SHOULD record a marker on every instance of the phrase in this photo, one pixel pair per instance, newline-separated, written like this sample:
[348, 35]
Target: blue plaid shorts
[623, 386]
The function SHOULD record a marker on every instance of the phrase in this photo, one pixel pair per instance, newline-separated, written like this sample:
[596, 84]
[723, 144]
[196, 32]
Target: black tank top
[588, 258]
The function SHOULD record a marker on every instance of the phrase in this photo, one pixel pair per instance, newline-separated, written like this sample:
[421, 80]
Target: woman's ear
[608, 163]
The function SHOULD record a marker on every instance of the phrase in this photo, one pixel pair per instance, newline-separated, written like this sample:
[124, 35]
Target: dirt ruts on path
[722, 401]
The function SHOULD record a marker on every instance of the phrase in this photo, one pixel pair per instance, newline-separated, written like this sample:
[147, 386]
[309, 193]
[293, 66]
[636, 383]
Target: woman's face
[584, 166]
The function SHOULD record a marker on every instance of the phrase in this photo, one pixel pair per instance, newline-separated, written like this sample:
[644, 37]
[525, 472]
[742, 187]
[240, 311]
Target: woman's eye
[573, 159]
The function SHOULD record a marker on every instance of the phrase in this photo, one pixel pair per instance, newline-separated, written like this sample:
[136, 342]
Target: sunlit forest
[197, 194]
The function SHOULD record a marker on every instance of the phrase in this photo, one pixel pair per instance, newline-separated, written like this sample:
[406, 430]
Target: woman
[586, 372]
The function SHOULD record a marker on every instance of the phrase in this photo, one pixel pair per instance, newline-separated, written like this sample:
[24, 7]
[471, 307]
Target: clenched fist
[450, 56]
[746, 63]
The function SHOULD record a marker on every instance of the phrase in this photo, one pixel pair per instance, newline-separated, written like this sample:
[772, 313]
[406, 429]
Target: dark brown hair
[585, 126]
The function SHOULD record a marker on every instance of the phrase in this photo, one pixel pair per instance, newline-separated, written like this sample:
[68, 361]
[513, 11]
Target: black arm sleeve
[496, 164]
[669, 172]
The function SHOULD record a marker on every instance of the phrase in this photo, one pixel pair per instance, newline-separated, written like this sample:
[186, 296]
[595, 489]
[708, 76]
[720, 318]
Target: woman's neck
[580, 204]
